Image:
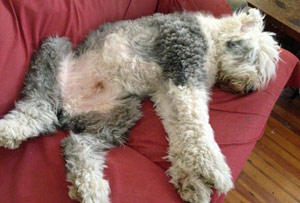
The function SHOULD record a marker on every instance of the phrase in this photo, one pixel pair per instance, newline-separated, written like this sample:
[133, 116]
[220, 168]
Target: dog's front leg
[197, 161]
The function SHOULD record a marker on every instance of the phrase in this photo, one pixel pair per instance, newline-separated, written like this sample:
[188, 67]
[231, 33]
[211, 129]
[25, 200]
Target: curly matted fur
[95, 92]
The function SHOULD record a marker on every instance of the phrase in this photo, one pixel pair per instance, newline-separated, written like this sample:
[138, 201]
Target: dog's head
[248, 56]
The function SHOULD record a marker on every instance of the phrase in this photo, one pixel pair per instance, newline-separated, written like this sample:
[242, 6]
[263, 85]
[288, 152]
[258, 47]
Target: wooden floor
[272, 173]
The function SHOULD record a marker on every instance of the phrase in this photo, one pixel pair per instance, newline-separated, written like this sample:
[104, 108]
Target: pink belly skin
[85, 89]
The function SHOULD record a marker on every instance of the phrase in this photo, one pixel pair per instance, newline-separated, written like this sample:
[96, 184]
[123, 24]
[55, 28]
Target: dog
[95, 92]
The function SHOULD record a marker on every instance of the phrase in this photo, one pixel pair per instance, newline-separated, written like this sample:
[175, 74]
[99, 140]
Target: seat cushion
[35, 172]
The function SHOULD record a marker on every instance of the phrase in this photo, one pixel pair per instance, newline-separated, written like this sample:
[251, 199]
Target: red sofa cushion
[35, 171]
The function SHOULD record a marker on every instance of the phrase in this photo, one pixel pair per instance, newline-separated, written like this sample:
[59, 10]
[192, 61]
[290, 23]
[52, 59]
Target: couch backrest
[215, 7]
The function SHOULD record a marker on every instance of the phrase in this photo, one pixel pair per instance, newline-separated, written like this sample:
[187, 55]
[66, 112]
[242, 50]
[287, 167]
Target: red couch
[35, 172]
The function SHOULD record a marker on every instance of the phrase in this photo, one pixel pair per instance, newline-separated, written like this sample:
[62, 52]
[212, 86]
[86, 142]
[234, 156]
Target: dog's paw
[221, 178]
[190, 186]
[201, 164]
[8, 138]
[89, 189]
[214, 169]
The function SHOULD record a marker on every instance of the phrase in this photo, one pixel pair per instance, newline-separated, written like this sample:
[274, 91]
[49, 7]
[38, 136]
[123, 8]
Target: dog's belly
[84, 88]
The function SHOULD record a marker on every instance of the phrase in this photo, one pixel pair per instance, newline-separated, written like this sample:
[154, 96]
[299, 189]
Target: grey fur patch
[41, 77]
[179, 47]
[74, 144]
[40, 85]
[111, 127]
[238, 48]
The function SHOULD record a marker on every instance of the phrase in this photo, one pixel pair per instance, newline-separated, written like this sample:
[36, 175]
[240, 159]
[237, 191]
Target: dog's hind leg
[85, 161]
[85, 151]
[36, 112]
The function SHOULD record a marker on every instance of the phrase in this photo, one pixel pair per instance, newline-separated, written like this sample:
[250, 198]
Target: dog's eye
[232, 44]
[250, 89]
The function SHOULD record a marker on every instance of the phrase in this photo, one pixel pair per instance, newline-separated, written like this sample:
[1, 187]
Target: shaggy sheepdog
[95, 92]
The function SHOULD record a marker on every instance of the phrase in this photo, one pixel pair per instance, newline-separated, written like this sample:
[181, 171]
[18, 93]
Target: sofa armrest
[294, 80]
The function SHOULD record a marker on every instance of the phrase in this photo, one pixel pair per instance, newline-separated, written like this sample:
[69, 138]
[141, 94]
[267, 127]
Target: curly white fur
[196, 158]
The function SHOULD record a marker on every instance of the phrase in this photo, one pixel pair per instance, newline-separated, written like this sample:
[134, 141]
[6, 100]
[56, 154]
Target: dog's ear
[253, 19]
